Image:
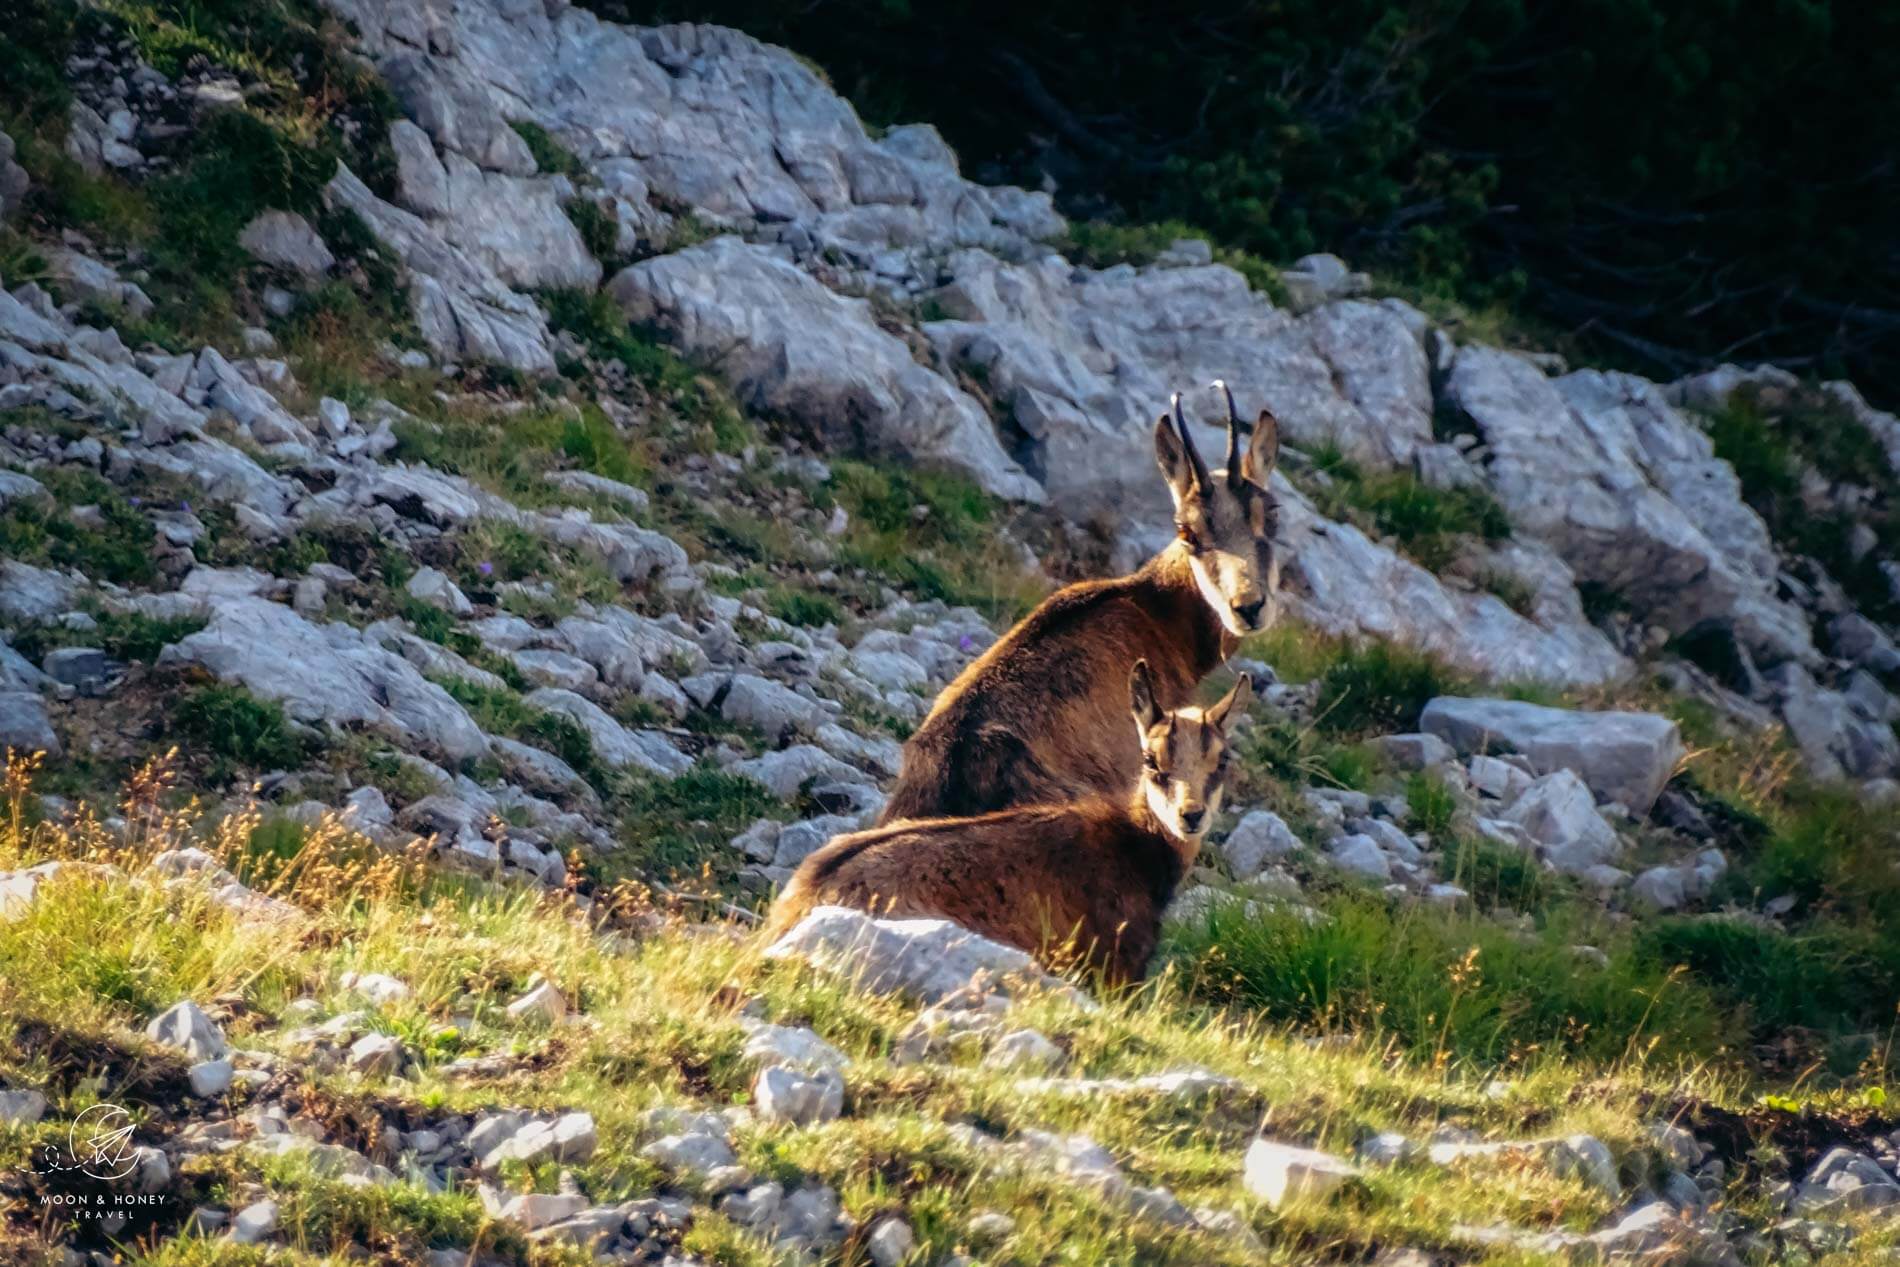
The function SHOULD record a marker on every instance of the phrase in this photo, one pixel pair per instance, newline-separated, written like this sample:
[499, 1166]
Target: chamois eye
[1190, 538]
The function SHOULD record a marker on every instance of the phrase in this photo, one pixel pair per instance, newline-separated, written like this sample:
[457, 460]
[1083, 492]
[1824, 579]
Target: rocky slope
[584, 497]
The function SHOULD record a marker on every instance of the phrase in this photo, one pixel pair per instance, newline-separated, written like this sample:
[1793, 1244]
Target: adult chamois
[1037, 719]
[1085, 881]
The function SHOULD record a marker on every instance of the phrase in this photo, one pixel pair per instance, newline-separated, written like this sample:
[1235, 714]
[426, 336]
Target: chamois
[1037, 718]
[1084, 882]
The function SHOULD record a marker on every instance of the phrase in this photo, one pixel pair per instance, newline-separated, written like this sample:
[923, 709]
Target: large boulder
[464, 310]
[692, 116]
[1558, 814]
[513, 225]
[1630, 493]
[1622, 757]
[1082, 360]
[1343, 582]
[24, 725]
[284, 239]
[790, 347]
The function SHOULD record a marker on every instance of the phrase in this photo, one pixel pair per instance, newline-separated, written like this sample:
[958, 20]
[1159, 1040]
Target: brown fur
[1042, 716]
[1038, 718]
[1087, 875]
[1084, 881]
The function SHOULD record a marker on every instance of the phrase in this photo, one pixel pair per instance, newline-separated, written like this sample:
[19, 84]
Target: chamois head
[1183, 754]
[1227, 518]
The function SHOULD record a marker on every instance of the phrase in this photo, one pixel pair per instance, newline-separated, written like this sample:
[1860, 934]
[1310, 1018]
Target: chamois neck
[1186, 848]
[1171, 579]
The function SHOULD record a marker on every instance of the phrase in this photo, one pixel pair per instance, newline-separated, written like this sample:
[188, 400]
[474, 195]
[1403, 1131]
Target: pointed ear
[1172, 456]
[1264, 451]
[1141, 697]
[1225, 710]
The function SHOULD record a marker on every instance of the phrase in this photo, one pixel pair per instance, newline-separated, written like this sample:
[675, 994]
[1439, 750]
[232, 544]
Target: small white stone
[210, 1077]
[254, 1222]
[1278, 1173]
[787, 1095]
[1024, 1050]
[890, 1242]
[375, 1054]
[542, 1003]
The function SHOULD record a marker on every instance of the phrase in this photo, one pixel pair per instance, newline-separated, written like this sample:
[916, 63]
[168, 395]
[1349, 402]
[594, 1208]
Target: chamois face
[1183, 754]
[1227, 518]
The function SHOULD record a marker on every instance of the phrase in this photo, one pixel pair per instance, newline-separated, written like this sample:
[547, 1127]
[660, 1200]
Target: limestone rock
[1622, 757]
[792, 348]
[1278, 1173]
[327, 673]
[931, 958]
[284, 239]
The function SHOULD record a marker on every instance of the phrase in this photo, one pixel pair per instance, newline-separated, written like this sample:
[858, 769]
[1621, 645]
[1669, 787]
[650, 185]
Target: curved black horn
[1201, 477]
[1233, 432]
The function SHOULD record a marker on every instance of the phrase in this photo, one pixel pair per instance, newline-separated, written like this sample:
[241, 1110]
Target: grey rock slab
[801, 1097]
[784, 772]
[792, 1046]
[931, 958]
[329, 673]
[613, 743]
[285, 239]
[790, 347]
[1280, 1173]
[1602, 467]
[465, 311]
[210, 1077]
[432, 586]
[24, 724]
[33, 595]
[21, 1108]
[1260, 837]
[1625, 757]
[185, 1026]
[695, 1153]
[1559, 813]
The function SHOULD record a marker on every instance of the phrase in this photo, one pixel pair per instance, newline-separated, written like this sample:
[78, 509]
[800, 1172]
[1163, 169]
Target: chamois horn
[1233, 432]
[1201, 477]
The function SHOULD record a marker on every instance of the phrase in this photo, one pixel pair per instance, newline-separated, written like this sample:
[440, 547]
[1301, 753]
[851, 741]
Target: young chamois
[1037, 719]
[1084, 881]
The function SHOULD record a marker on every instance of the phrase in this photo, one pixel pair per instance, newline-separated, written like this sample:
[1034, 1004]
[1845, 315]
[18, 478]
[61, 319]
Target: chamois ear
[1264, 450]
[1222, 712]
[1141, 697]
[1172, 457]
[1180, 461]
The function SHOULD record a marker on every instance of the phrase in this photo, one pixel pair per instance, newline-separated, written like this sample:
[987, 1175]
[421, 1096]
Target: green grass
[932, 534]
[1432, 802]
[1428, 524]
[1418, 1026]
[680, 827]
[1497, 876]
[711, 421]
[1443, 985]
[130, 636]
[230, 723]
[277, 149]
[1382, 687]
[1770, 445]
[550, 156]
[116, 547]
[504, 712]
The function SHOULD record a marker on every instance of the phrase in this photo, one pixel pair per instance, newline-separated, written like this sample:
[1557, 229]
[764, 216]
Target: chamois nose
[1249, 613]
[1191, 818]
